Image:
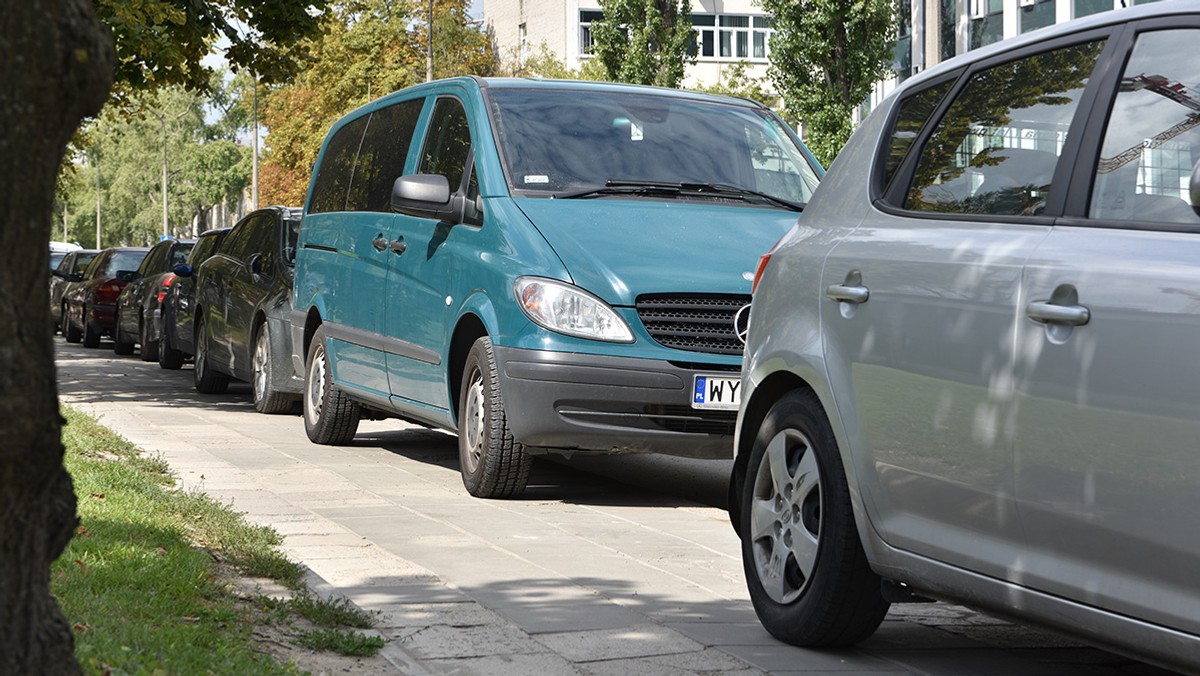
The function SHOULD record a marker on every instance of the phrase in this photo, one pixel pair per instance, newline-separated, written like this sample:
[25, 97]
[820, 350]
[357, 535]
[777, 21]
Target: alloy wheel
[785, 516]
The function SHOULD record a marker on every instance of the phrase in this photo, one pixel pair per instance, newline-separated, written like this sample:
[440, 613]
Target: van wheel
[330, 417]
[207, 381]
[493, 464]
[121, 345]
[91, 337]
[71, 334]
[150, 348]
[266, 399]
[807, 574]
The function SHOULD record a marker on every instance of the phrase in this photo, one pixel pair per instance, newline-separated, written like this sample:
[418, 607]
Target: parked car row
[968, 373]
[223, 298]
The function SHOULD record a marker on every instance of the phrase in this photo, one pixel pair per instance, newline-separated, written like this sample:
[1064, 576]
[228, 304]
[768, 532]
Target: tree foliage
[545, 64]
[57, 63]
[644, 41]
[205, 166]
[825, 57]
[369, 48]
[735, 81]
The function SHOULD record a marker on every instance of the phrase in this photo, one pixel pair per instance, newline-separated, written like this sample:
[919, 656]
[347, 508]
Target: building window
[902, 53]
[987, 22]
[1036, 14]
[1090, 7]
[731, 36]
[948, 44]
[586, 43]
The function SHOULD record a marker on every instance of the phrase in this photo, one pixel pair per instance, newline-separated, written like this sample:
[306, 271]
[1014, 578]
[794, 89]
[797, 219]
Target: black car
[68, 271]
[89, 306]
[178, 303]
[243, 306]
[139, 319]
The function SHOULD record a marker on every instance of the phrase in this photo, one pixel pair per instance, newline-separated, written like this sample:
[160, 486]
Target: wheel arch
[312, 322]
[769, 391]
[470, 328]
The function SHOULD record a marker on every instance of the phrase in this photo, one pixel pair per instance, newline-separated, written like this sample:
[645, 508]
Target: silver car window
[1153, 135]
[995, 150]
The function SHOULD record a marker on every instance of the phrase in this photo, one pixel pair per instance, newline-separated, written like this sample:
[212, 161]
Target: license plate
[719, 392]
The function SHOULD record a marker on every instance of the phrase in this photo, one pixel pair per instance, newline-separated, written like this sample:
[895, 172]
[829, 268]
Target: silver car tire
[330, 417]
[806, 571]
[493, 464]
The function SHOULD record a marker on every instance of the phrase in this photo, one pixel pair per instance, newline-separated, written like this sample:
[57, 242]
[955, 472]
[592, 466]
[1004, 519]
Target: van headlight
[568, 309]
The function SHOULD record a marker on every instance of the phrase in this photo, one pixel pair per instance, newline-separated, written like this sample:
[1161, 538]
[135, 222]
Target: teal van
[540, 267]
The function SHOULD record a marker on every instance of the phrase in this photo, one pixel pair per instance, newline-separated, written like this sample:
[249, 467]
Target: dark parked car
[69, 271]
[970, 373]
[90, 305]
[243, 307]
[139, 319]
[178, 305]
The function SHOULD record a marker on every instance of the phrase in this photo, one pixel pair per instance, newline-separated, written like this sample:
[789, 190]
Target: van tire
[493, 464]
[330, 417]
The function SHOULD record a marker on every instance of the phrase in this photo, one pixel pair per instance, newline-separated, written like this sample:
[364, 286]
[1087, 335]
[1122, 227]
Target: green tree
[735, 81]
[369, 48]
[644, 41]
[825, 57]
[57, 63]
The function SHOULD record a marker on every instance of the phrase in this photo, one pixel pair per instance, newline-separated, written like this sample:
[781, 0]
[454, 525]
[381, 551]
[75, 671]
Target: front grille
[693, 322]
[692, 421]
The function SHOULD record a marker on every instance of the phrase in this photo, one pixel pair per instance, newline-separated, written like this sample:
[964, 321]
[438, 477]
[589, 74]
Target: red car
[90, 306]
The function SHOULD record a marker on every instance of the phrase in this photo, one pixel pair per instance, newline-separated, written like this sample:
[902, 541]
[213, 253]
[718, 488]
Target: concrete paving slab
[440, 641]
[463, 613]
[781, 657]
[706, 661]
[645, 640]
[543, 664]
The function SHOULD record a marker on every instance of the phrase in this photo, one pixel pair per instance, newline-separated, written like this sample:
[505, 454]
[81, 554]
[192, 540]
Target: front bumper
[558, 401]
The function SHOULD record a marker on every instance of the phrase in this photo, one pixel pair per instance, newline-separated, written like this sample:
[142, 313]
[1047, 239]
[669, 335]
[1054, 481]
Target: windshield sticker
[635, 131]
[537, 178]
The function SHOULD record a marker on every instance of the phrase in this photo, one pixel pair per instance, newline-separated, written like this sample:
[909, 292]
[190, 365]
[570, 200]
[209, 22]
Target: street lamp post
[429, 47]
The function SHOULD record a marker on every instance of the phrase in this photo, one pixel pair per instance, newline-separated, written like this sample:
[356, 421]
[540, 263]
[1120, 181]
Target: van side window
[996, 148]
[337, 166]
[447, 143]
[381, 158]
[1153, 136]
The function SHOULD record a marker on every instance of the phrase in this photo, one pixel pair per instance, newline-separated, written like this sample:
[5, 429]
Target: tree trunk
[56, 66]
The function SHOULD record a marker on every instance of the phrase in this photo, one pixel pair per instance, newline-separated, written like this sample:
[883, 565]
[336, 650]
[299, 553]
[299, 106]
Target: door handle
[380, 242]
[398, 246]
[847, 294]
[1050, 313]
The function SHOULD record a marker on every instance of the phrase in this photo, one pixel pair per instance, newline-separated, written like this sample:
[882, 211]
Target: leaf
[82, 565]
[98, 496]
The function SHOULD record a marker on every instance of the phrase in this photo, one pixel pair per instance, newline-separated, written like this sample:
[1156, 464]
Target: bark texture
[56, 66]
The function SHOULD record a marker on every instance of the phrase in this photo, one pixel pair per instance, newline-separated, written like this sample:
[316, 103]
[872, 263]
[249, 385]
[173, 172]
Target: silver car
[973, 367]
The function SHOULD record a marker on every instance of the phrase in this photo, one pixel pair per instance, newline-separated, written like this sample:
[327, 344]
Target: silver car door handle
[1045, 311]
[847, 294]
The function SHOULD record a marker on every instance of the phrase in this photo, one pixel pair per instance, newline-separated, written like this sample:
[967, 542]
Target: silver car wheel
[785, 516]
[259, 365]
[474, 422]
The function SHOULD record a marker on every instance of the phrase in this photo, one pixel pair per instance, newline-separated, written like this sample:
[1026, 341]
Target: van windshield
[571, 143]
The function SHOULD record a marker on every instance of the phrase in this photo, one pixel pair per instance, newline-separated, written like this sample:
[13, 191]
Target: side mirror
[1194, 188]
[75, 277]
[426, 196]
[255, 264]
[58, 273]
[183, 270]
[126, 275]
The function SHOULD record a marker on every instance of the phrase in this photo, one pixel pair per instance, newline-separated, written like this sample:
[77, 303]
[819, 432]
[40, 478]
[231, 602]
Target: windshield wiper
[623, 187]
[726, 190]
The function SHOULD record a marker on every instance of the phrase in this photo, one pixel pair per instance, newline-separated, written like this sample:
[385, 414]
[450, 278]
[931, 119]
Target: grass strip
[139, 581]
